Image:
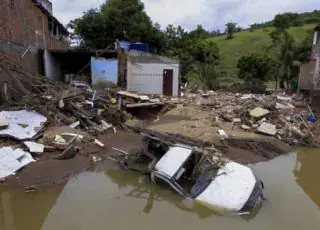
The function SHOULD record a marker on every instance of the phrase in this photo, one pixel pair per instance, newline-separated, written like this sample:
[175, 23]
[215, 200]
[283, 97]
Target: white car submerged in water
[231, 187]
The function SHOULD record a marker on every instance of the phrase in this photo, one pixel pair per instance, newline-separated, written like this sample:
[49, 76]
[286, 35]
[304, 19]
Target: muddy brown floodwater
[108, 198]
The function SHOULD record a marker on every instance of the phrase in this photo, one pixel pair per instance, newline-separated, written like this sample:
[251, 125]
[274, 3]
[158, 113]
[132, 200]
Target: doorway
[167, 82]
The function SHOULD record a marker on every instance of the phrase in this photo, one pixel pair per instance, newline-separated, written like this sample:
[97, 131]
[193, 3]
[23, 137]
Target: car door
[158, 177]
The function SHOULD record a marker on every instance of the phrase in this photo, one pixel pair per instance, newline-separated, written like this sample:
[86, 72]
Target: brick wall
[21, 21]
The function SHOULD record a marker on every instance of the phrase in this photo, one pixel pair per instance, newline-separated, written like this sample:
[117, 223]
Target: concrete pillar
[315, 37]
[316, 72]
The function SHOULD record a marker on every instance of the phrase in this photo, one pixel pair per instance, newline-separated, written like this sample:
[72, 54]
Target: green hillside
[250, 42]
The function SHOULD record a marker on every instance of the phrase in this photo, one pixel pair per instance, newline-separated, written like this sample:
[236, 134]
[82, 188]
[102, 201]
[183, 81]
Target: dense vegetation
[263, 52]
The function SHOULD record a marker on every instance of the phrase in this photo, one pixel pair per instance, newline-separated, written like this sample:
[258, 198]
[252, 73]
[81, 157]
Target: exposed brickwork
[23, 22]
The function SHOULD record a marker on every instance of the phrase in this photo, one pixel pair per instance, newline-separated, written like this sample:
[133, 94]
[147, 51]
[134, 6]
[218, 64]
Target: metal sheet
[22, 124]
[11, 160]
[34, 147]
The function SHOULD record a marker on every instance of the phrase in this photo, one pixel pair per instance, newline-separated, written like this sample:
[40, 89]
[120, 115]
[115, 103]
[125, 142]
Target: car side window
[161, 182]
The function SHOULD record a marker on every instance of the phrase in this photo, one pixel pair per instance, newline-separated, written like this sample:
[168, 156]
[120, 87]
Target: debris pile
[287, 118]
[38, 115]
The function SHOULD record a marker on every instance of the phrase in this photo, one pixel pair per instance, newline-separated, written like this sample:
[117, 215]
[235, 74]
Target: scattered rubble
[272, 115]
[45, 122]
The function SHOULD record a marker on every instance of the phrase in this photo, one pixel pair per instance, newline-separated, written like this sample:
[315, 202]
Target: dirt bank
[192, 122]
[48, 171]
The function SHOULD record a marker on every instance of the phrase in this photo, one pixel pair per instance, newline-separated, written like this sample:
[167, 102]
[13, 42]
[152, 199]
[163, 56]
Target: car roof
[170, 163]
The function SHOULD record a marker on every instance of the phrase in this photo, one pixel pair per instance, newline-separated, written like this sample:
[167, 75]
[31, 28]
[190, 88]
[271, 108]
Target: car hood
[230, 189]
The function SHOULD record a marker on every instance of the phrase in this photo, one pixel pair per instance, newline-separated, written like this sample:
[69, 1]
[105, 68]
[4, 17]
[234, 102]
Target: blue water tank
[139, 47]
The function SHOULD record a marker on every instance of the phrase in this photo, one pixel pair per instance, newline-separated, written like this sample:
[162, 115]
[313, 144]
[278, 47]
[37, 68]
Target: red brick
[21, 23]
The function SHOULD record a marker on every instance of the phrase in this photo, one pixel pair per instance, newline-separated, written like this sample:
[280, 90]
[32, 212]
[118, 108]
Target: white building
[152, 74]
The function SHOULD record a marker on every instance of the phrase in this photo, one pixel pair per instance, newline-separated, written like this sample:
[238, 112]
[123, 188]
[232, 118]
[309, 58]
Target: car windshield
[195, 177]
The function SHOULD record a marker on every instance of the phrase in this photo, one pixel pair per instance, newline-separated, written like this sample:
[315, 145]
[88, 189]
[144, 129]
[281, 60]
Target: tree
[286, 20]
[205, 51]
[254, 66]
[230, 29]
[199, 33]
[123, 20]
[92, 30]
[255, 69]
[203, 76]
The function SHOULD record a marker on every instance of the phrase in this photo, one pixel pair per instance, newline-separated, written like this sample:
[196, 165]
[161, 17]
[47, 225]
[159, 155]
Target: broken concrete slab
[245, 127]
[259, 112]
[282, 98]
[134, 95]
[34, 147]
[22, 124]
[283, 106]
[246, 96]
[236, 120]
[267, 128]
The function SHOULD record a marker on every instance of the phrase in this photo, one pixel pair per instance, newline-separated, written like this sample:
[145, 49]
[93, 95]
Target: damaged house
[129, 66]
[309, 79]
[143, 72]
[27, 28]
[152, 74]
[310, 71]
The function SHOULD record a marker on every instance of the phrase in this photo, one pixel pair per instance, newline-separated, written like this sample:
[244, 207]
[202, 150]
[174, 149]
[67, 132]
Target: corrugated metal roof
[22, 124]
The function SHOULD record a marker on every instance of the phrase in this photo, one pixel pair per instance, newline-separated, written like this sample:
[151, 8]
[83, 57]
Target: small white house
[152, 74]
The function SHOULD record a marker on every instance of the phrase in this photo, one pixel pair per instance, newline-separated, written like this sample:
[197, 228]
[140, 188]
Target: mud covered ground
[47, 170]
[188, 121]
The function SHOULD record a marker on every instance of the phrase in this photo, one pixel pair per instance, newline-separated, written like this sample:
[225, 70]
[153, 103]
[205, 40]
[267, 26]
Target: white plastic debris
[105, 125]
[61, 104]
[34, 147]
[22, 124]
[11, 160]
[74, 125]
[98, 142]
[59, 139]
[222, 133]
[72, 135]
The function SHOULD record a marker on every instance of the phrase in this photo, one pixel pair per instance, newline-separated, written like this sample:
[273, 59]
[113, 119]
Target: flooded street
[108, 198]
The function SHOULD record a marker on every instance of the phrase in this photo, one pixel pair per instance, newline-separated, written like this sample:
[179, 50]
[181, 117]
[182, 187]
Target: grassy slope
[250, 42]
